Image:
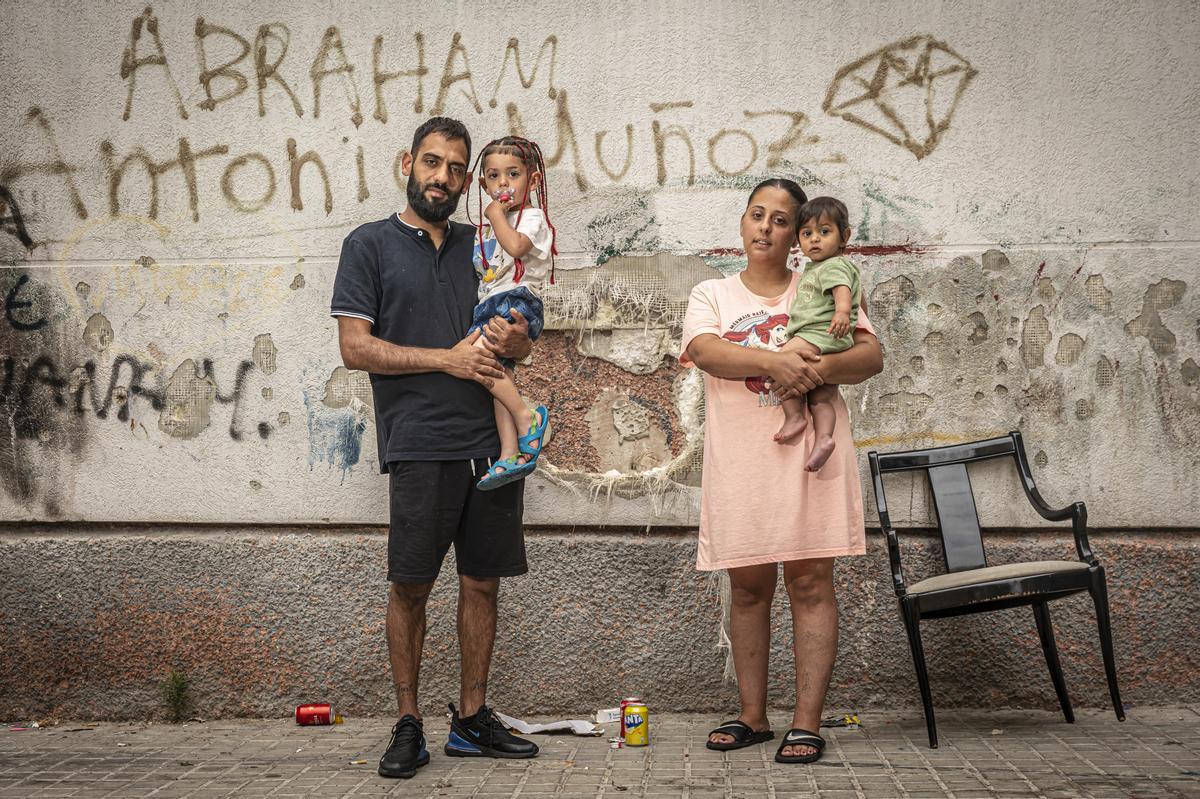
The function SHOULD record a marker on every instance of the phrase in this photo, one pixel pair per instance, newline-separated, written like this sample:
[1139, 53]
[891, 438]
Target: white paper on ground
[574, 726]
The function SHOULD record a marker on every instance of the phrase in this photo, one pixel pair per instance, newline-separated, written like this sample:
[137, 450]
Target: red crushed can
[310, 715]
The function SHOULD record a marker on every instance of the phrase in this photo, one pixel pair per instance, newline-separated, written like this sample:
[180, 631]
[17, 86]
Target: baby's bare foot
[792, 426]
[822, 449]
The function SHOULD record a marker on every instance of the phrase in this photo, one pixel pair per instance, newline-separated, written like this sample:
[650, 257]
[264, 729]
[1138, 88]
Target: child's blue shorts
[520, 299]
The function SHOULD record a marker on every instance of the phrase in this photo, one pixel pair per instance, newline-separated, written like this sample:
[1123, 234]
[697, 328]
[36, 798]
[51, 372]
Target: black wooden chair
[970, 585]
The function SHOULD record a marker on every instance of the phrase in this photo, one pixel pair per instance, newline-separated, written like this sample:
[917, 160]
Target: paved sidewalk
[1155, 754]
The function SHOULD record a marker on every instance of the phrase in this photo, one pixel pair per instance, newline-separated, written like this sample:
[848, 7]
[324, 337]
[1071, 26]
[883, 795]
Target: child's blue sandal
[525, 443]
[502, 473]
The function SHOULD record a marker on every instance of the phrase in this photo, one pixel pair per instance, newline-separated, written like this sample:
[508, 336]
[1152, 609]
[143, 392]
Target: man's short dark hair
[452, 129]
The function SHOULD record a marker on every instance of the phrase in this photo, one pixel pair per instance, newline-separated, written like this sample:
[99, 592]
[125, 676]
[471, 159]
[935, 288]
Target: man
[403, 297]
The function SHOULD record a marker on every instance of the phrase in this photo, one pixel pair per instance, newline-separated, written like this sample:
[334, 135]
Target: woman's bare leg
[753, 588]
[815, 639]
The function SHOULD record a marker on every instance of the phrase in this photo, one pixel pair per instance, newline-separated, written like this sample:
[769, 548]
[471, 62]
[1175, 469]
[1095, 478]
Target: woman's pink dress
[757, 504]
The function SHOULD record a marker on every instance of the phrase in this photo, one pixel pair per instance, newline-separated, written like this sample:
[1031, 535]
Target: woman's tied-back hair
[531, 156]
[452, 129]
[832, 209]
[790, 186]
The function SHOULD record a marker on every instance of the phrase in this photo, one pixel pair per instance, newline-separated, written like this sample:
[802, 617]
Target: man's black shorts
[435, 504]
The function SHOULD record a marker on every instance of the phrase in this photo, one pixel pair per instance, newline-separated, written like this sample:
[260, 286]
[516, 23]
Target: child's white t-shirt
[536, 262]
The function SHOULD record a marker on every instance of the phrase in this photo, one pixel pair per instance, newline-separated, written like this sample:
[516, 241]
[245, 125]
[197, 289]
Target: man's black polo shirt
[416, 296]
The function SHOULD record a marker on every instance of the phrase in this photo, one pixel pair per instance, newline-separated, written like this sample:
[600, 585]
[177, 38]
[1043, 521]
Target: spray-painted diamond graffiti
[906, 92]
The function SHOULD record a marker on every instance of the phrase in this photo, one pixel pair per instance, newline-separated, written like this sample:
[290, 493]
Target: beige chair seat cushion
[986, 575]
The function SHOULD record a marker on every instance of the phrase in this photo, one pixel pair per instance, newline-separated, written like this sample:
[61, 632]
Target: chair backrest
[946, 468]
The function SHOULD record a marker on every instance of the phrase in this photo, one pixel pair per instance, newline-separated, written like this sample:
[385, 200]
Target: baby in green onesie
[822, 317]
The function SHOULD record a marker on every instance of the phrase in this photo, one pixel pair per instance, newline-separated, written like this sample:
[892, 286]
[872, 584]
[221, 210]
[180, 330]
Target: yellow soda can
[636, 725]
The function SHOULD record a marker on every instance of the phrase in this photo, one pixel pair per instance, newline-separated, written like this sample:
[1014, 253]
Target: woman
[802, 520]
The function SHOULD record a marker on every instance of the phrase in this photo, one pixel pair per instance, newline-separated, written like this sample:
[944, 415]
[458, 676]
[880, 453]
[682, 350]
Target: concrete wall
[261, 623]
[175, 181]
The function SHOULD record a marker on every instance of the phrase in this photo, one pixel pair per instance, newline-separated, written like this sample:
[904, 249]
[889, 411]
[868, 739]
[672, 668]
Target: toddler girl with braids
[513, 256]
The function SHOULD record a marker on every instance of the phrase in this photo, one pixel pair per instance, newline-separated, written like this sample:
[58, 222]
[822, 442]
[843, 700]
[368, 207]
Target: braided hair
[531, 156]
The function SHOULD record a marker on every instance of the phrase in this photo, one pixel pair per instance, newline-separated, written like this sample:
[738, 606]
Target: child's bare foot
[822, 449]
[792, 426]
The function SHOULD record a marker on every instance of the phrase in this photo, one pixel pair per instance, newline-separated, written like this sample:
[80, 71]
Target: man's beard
[426, 209]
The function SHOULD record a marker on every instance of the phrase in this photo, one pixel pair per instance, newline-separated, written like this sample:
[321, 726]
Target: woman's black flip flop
[742, 735]
[799, 737]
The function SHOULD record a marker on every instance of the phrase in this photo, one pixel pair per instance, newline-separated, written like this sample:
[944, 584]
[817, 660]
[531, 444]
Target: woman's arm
[721, 358]
[862, 361]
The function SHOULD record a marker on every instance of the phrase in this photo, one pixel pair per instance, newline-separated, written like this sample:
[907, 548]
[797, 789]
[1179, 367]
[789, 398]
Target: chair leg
[1041, 613]
[912, 622]
[1099, 592]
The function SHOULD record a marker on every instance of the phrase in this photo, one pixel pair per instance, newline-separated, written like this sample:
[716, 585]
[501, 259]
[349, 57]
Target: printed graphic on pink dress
[760, 331]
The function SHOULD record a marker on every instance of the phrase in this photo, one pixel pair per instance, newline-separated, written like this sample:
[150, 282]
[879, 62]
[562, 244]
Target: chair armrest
[1076, 511]
[893, 545]
[1039, 504]
[1079, 530]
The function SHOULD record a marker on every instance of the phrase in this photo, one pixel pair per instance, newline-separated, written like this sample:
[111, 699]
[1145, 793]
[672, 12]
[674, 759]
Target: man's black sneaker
[485, 736]
[406, 752]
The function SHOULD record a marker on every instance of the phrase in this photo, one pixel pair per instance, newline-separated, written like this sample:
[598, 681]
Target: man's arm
[361, 350]
[508, 339]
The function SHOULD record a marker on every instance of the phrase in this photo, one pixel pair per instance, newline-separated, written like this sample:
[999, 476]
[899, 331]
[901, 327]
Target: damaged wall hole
[264, 353]
[980, 333]
[1035, 335]
[98, 333]
[909, 407]
[345, 385]
[1098, 296]
[1148, 324]
[1069, 348]
[1190, 372]
[1045, 288]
